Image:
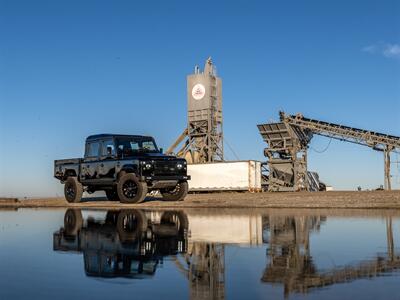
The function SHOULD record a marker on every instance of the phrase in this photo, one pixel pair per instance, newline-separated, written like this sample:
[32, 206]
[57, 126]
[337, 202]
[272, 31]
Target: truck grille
[164, 168]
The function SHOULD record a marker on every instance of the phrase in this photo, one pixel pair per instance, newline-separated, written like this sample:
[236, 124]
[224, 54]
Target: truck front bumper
[158, 182]
[161, 178]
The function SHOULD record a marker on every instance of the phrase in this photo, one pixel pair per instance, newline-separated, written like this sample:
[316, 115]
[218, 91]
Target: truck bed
[68, 161]
[61, 166]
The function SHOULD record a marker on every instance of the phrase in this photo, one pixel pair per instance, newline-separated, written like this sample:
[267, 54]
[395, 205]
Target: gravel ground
[337, 199]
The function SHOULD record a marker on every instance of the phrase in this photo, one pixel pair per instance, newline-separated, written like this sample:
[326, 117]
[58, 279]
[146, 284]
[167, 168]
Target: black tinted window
[108, 148]
[93, 149]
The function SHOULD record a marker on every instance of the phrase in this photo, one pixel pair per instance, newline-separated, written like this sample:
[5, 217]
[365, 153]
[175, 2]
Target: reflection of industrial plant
[132, 243]
[204, 268]
[290, 262]
[289, 246]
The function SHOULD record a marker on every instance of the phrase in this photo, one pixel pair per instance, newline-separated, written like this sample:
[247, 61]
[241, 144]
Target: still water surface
[199, 254]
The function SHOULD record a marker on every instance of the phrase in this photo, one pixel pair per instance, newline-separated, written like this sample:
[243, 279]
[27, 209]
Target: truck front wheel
[130, 224]
[73, 190]
[130, 189]
[176, 194]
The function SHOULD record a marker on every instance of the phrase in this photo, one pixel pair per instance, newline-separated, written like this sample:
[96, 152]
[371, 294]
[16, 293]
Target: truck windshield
[134, 145]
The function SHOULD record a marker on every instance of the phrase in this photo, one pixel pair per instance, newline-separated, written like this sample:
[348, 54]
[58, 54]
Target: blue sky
[73, 68]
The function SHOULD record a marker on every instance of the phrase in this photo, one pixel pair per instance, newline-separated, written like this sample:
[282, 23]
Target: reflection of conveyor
[291, 264]
[125, 244]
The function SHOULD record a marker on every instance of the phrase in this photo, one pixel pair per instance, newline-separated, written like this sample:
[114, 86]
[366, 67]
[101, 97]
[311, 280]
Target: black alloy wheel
[130, 189]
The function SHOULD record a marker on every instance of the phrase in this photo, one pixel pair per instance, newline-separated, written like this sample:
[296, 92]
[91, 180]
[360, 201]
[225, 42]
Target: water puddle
[199, 254]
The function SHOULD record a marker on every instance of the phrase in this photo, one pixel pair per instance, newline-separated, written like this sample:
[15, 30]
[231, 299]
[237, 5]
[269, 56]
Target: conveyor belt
[288, 142]
[375, 140]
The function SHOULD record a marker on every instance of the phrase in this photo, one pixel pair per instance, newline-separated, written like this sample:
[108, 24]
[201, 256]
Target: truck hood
[156, 156]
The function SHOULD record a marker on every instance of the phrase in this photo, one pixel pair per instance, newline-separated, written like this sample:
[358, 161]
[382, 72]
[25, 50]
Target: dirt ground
[339, 199]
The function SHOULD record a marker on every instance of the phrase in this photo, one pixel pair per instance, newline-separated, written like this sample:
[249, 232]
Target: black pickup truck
[126, 167]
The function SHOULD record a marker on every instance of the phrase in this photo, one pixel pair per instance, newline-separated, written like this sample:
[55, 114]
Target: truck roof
[111, 135]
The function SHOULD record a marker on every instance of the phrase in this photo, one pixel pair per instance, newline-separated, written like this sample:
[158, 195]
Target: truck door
[106, 165]
[89, 164]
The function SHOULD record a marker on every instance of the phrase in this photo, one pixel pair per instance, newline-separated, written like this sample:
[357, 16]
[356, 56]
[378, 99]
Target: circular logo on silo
[198, 91]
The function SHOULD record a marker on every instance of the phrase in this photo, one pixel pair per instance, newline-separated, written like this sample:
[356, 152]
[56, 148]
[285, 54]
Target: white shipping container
[230, 176]
[219, 228]
[226, 229]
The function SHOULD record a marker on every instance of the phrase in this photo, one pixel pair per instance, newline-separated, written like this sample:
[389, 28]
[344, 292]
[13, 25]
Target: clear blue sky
[73, 68]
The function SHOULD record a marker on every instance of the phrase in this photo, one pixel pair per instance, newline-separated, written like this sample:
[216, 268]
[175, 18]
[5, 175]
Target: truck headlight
[146, 165]
[179, 166]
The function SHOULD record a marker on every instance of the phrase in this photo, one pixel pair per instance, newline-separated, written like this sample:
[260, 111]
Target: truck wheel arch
[127, 169]
[69, 173]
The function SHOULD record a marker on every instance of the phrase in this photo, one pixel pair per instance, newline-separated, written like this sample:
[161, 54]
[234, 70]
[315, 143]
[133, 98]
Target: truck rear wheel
[176, 194]
[130, 189]
[73, 221]
[73, 190]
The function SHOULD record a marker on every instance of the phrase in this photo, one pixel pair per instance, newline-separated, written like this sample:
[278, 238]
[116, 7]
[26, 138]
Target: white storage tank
[225, 176]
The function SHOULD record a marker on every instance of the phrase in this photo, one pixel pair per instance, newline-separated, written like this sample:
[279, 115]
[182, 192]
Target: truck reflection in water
[125, 244]
[131, 243]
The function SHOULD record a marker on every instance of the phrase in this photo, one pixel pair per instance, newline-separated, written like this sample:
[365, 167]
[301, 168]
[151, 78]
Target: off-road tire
[177, 194]
[130, 224]
[73, 190]
[175, 222]
[112, 195]
[73, 221]
[130, 189]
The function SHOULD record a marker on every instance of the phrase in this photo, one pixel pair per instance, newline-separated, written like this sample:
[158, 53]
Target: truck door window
[107, 145]
[149, 146]
[93, 149]
[134, 145]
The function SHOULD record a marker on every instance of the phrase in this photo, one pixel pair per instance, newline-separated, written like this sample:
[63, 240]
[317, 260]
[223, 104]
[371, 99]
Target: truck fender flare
[128, 169]
[69, 172]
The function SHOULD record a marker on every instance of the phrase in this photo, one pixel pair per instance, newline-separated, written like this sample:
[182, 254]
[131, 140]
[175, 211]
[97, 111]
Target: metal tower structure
[203, 134]
[288, 142]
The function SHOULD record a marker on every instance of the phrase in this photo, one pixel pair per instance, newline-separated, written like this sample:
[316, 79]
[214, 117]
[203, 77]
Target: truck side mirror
[161, 150]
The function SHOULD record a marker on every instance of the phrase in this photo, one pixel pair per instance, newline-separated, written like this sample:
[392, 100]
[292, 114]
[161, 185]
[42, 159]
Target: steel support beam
[386, 155]
[390, 241]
